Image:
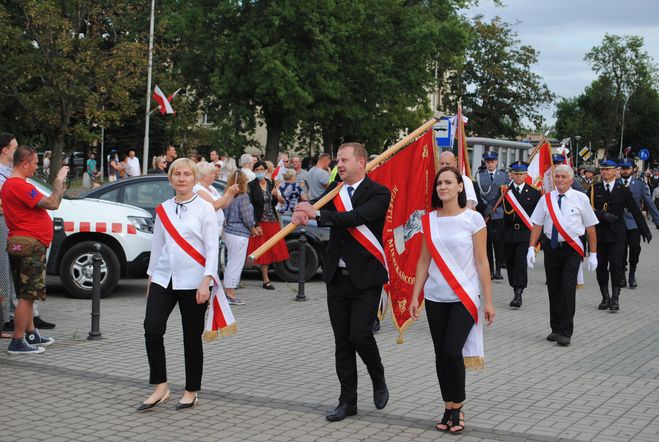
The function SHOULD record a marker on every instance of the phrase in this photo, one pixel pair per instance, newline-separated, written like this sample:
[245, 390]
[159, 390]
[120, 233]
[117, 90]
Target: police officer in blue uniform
[516, 234]
[488, 182]
[611, 200]
[641, 192]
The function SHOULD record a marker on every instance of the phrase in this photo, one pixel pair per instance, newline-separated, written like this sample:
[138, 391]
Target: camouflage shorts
[28, 267]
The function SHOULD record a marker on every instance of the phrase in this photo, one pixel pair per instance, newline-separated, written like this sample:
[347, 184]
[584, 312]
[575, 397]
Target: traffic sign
[644, 154]
[443, 132]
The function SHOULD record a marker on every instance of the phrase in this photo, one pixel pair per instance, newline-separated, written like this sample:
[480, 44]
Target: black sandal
[457, 416]
[446, 419]
[268, 286]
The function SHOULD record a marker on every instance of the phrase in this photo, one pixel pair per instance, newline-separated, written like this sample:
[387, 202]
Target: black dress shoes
[184, 405]
[381, 397]
[342, 411]
[41, 324]
[553, 337]
[563, 341]
[144, 406]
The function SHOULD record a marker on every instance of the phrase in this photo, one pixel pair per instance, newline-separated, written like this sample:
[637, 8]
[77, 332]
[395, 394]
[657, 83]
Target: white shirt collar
[355, 185]
[567, 194]
[610, 183]
[519, 186]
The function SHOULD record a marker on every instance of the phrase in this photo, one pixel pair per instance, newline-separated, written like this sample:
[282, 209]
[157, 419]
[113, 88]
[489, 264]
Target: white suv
[124, 232]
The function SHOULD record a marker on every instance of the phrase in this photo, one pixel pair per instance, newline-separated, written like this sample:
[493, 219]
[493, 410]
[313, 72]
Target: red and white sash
[220, 320]
[519, 210]
[467, 292]
[366, 238]
[559, 222]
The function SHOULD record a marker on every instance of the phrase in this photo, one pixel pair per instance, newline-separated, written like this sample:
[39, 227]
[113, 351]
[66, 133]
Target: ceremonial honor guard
[489, 181]
[610, 199]
[518, 205]
[563, 215]
[354, 270]
[640, 191]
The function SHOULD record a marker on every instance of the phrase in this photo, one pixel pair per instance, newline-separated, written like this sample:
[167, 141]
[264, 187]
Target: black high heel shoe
[457, 420]
[183, 406]
[446, 419]
[144, 406]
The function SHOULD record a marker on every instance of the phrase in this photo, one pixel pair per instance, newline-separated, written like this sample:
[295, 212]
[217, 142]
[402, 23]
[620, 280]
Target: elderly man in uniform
[489, 182]
[610, 199]
[563, 215]
[518, 205]
[640, 191]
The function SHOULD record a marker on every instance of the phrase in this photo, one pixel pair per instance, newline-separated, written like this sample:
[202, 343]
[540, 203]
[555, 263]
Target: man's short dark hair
[23, 153]
[358, 149]
[462, 196]
[323, 156]
[5, 139]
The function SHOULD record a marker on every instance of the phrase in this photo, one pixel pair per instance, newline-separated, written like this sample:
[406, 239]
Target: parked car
[148, 191]
[124, 232]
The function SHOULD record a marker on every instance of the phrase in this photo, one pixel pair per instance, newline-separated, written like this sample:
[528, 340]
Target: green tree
[497, 86]
[70, 65]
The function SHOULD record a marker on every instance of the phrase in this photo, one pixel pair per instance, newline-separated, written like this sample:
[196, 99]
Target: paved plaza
[275, 379]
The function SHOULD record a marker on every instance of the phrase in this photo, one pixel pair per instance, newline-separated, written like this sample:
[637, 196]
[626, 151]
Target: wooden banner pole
[384, 156]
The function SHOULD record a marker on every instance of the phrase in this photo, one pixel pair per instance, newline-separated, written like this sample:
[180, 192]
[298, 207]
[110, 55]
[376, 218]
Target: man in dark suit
[610, 199]
[641, 193]
[516, 234]
[353, 274]
[489, 182]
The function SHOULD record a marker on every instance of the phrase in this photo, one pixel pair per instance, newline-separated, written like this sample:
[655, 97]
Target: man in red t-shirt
[30, 234]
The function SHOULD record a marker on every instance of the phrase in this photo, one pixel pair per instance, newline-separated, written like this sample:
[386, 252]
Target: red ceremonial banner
[409, 175]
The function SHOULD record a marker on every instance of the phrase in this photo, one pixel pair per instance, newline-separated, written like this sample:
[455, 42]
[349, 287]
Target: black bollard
[97, 259]
[301, 266]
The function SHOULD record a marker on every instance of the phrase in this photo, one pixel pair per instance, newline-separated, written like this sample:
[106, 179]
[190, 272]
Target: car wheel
[288, 270]
[76, 270]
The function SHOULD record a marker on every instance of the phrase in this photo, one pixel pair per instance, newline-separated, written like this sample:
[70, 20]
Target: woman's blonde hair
[204, 168]
[158, 159]
[238, 177]
[182, 163]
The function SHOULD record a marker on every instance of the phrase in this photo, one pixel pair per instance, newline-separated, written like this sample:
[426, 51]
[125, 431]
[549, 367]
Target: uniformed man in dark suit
[641, 192]
[488, 185]
[516, 233]
[610, 199]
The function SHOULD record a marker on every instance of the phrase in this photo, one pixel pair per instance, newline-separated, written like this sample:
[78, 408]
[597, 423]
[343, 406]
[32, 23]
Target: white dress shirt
[469, 189]
[575, 208]
[133, 166]
[169, 261]
[342, 264]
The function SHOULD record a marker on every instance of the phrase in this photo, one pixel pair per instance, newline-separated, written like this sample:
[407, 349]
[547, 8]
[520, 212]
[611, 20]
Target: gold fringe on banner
[212, 335]
[474, 363]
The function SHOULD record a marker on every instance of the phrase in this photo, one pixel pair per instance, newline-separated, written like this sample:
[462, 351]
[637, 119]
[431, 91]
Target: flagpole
[384, 156]
[145, 154]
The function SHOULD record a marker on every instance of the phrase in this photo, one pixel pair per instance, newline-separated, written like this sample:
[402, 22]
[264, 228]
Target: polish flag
[280, 170]
[163, 101]
[539, 165]
[563, 150]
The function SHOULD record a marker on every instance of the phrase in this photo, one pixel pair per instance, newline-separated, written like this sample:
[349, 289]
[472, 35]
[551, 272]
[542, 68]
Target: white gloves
[592, 262]
[530, 257]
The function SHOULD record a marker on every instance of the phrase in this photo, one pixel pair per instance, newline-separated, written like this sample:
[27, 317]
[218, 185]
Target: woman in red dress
[264, 196]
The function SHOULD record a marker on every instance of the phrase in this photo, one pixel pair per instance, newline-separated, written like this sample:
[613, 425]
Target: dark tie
[350, 190]
[554, 230]
[608, 189]
[518, 189]
[625, 182]
[491, 176]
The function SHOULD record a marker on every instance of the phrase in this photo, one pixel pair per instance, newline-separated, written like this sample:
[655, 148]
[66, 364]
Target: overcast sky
[564, 30]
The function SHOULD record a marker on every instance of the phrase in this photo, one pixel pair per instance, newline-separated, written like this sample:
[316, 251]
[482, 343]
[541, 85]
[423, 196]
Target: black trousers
[561, 269]
[159, 306]
[609, 260]
[516, 263]
[495, 253]
[352, 313]
[633, 248]
[450, 324]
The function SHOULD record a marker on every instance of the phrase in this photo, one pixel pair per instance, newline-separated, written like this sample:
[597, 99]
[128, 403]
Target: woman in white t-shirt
[205, 189]
[458, 237]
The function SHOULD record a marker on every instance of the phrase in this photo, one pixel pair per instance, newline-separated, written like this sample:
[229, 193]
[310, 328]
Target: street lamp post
[145, 159]
[576, 151]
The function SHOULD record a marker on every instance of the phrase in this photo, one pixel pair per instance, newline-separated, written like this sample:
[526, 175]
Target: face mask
[260, 175]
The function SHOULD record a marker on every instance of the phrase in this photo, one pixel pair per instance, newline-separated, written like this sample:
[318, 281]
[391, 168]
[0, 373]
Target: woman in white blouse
[454, 246]
[207, 173]
[176, 277]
